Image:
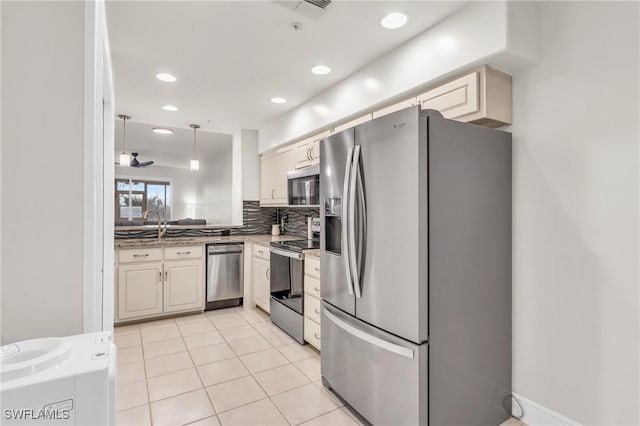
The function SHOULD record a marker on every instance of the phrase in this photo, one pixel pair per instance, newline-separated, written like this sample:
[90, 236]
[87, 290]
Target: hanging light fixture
[195, 164]
[125, 160]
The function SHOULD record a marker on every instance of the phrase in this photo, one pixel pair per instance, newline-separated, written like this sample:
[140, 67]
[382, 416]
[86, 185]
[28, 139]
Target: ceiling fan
[124, 158]
[136, 163]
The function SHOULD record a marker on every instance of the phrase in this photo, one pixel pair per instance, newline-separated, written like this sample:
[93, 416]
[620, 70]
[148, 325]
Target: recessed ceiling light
[321, 69]
[170, 108]
[393, 20]
[166, 77]
[278, 100]
[162, 131]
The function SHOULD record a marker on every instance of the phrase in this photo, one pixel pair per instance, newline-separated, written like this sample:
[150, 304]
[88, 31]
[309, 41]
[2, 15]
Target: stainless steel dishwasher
[225, 275]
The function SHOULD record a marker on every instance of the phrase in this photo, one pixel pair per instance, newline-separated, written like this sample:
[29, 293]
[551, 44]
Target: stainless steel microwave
[304, 187]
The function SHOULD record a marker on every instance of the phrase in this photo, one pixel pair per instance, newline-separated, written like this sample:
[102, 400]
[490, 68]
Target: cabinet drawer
[312, 333]
[189, 252]
[312, 266]
[312, 308]
[140, 255]
[312, 286]
[261, 252]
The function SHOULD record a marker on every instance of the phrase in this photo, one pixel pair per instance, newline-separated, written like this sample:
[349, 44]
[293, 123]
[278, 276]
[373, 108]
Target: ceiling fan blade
[145, 164]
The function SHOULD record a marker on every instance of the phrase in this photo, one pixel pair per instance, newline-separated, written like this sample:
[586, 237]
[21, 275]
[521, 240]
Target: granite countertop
[312, 253]
[188, 241]
[155, 226]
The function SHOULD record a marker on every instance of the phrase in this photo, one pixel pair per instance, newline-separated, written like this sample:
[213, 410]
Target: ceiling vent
[311, 9]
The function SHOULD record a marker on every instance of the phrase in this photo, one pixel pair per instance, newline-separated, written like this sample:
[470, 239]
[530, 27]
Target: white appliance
[59, 381]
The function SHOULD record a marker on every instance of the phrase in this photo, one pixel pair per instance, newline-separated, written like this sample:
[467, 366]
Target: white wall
[246, 171]
[575, 215]
[42, 169]
[205, 194]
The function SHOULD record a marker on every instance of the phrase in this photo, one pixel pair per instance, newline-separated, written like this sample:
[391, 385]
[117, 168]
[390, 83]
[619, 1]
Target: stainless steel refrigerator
[416, 270]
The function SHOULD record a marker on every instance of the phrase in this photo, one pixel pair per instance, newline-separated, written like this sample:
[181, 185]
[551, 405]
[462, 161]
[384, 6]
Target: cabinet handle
[260, 251]
[183, 252]
[316, 336]
[267, 273]
[317, 311]
[316, 289]
[141, 255]
[159, 276]
[309, 154]
[316, 268]
[166, 274]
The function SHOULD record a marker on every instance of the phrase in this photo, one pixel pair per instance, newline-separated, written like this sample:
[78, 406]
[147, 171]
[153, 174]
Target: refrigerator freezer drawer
[383, 377]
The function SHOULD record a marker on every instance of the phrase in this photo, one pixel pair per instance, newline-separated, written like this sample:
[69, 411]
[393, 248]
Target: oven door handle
[286, 253]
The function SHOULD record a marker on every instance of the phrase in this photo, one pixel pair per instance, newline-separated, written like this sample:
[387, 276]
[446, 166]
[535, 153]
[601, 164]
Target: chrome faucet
[161, 231]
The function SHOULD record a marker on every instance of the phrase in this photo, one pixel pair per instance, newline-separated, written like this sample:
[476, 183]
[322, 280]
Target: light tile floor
[229, 366]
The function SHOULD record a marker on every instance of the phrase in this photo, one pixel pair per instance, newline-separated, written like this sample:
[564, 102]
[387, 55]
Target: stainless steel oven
[304, 187]
[287, 285]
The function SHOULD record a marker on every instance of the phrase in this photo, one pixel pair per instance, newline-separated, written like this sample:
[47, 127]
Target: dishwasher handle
[224, 248]
[218, 253]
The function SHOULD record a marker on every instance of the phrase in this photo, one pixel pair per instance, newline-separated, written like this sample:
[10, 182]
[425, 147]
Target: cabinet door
[284, 163]
[261, 283]
[314, 149]
[454, 99]
[302, 154]
[183, 285]
[139, 290]
[267, 180]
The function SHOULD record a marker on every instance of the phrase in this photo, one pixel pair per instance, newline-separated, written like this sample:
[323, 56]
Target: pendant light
[195, 164]
[125, 160]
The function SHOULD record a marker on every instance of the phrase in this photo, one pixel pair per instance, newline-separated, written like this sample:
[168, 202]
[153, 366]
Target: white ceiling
[170, 150]
[231, 57]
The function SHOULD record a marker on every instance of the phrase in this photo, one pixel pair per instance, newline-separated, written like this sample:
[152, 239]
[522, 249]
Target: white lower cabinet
[150, 283]
[312, 301]
[183, 285]
[139, 290]
[260, 275]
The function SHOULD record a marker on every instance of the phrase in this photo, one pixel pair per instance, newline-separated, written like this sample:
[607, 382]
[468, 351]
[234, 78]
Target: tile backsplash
[258, 220]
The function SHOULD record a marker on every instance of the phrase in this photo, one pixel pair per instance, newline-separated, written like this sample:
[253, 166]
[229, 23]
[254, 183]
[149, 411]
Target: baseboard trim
[534, 414]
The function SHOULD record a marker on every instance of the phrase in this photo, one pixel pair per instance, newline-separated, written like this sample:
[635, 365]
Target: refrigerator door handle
[362, 239]
[376, 341]
[353, 261]
[345, 222]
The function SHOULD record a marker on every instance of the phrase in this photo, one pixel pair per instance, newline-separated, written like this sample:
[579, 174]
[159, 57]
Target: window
[135, 196]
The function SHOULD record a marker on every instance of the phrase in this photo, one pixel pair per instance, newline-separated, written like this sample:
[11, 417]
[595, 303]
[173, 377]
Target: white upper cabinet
[284, 163]
[302, 154]
[268, 180]
[482, 97]
[307, 151]
[273, 176]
